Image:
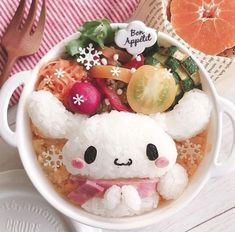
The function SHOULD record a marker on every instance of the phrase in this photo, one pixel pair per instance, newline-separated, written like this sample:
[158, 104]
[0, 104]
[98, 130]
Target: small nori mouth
[129, 163]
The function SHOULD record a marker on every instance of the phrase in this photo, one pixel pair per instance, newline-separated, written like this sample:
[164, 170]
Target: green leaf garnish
[73, 45]
[99, 31]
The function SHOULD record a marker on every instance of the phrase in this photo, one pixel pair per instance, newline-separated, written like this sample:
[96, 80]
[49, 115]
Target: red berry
[84, 98]
[135, 62]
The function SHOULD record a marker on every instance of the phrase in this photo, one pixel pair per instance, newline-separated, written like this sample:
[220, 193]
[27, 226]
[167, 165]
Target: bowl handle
[5, 95]
[227, 166]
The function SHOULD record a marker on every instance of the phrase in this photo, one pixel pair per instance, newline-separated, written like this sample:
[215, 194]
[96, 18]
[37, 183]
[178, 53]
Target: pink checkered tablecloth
[63, 19]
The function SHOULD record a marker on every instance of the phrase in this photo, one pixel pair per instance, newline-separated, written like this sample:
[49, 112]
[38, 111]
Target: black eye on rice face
[151, 152]
[90, 154]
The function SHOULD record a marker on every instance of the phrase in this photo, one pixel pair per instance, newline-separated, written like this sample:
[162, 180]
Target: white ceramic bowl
[21, 138]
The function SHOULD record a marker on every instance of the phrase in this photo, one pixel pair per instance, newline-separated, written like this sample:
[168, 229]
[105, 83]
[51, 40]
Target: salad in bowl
[112, 129]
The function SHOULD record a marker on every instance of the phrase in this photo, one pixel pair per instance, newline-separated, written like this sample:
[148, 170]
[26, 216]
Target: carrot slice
[111, 72]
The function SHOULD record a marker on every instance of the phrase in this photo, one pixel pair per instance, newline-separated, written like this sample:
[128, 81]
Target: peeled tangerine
[84, 98]
[207, 25]
[151, 90]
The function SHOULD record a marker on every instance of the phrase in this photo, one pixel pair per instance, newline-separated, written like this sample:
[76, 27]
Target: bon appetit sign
[136, 37]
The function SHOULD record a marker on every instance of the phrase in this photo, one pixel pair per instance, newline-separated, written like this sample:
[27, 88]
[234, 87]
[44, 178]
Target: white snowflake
[48, 80]
[189, 151]
[133, 70]
[59, 73]
[115, 71]
[78, 99]
[138, 58]
[89, 56]
[52, 158]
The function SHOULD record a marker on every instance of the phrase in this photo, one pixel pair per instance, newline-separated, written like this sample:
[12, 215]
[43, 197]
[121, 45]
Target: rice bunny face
[120, 145]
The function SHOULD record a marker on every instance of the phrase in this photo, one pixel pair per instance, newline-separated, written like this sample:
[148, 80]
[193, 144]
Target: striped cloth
[63, 19]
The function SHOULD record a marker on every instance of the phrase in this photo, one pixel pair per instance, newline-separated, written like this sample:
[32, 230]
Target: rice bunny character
[124, 161]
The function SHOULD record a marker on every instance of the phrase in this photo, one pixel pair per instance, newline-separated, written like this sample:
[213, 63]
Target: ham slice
[145, 187]
[85, 192]
[87, 189]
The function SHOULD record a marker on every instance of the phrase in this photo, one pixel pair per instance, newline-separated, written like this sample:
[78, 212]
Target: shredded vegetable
[58, 75]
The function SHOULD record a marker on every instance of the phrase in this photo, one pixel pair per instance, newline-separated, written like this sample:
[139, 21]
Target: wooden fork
[19, 39]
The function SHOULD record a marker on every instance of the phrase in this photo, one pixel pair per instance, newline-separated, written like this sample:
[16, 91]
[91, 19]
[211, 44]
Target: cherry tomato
[151, 90]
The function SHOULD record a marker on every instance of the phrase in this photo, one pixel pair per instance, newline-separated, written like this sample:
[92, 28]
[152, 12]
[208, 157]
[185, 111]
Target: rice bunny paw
[127, 194]
[130, 197]
[173, 183]
[112, 197]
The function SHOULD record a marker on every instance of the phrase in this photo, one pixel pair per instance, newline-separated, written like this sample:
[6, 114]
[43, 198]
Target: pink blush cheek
[78, 163]
[161, 162]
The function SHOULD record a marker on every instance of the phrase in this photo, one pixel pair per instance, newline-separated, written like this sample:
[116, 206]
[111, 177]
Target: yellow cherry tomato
[151, 90]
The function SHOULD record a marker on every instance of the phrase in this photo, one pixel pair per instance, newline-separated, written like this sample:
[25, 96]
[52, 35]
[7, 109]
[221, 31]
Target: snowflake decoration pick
[78, 99]
[59, 73]
[115, 71]
[52, 158]
[48, 80]
[189, 151]
[89, 56]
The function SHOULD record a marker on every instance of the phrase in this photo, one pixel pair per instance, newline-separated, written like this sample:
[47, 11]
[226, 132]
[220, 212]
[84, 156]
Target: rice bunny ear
[50, 116]
[188, 118]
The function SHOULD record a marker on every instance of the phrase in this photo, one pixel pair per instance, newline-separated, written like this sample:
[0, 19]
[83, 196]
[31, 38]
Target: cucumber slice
[185, 81]
[172, 51]
[167, 51]
[190, 65]
[149, 60]
[182, 74]
[187, 84]
[176, 77]
[196, 78]
[160, 58]
[179, 55]
[179, 92]
[172, 63]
